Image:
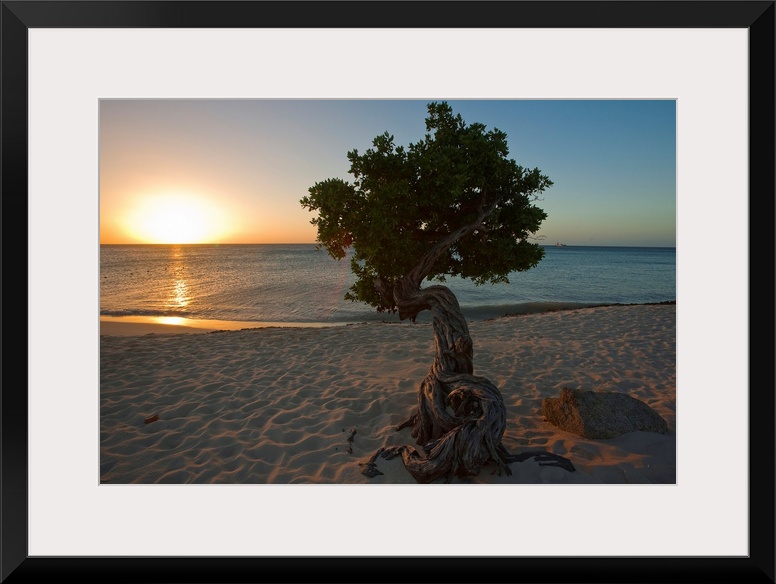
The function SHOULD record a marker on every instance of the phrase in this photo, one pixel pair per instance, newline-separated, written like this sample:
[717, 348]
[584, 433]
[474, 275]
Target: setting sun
[176, 219]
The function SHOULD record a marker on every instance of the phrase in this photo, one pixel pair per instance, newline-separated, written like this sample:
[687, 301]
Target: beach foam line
[143, 325]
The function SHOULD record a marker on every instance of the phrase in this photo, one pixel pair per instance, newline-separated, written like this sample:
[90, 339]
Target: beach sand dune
[306, 405]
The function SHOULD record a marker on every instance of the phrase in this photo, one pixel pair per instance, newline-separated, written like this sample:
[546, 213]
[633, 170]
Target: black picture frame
[756, 16]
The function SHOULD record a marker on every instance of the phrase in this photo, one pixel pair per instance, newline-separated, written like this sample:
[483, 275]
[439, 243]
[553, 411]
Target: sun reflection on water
[180, 294]
[176, 320]
[179, 297]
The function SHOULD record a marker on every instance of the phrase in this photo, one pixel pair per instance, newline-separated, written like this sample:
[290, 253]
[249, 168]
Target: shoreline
[144, 325]
[135, 325]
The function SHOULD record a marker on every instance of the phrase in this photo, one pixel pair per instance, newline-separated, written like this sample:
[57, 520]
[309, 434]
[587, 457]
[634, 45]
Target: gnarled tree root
[442, 463]
[469, 415]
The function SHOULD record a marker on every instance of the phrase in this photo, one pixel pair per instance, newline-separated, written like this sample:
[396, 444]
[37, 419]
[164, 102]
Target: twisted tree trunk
[461, 417]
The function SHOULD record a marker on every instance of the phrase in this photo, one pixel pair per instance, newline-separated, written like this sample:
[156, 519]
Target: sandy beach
[277, 405]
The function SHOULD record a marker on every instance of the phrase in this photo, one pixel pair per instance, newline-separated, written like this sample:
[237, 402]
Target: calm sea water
[299, 284]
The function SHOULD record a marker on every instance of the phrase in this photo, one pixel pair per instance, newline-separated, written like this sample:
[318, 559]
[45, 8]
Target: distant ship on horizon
[559, 244]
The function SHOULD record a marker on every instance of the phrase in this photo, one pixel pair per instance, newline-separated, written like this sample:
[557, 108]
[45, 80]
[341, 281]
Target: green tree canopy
[455, 190]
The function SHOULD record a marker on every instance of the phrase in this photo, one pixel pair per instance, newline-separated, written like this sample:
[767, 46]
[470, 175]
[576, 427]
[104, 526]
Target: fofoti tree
[452, 204]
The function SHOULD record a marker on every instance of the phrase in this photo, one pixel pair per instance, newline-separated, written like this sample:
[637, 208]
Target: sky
[234, 171]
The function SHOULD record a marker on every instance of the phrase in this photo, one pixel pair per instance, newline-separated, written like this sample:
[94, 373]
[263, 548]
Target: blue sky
[233, 171]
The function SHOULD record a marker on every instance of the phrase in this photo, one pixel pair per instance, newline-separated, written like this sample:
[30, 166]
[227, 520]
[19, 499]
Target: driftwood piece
[369, 467]
[543, 458]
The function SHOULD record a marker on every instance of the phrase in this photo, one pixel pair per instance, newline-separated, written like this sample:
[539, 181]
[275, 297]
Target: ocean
[300, 285]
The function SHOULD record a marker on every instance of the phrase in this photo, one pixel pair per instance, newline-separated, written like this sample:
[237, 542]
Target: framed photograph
[63, 61]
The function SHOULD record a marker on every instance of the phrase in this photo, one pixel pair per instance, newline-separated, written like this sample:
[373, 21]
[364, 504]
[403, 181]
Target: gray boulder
[594, 414]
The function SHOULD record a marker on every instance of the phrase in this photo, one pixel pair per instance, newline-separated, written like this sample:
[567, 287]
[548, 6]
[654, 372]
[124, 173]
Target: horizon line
[316, 243]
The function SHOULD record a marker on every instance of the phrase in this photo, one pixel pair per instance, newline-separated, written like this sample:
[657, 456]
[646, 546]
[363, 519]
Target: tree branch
[424, 266]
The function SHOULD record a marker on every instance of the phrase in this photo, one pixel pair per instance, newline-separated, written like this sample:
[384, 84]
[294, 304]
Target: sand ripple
[276, 405]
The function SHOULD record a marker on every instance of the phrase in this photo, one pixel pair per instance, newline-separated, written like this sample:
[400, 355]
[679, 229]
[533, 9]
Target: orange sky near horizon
[180, 172]
[192, 215]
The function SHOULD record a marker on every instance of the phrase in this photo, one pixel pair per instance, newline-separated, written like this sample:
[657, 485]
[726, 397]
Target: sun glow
[177, 219]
